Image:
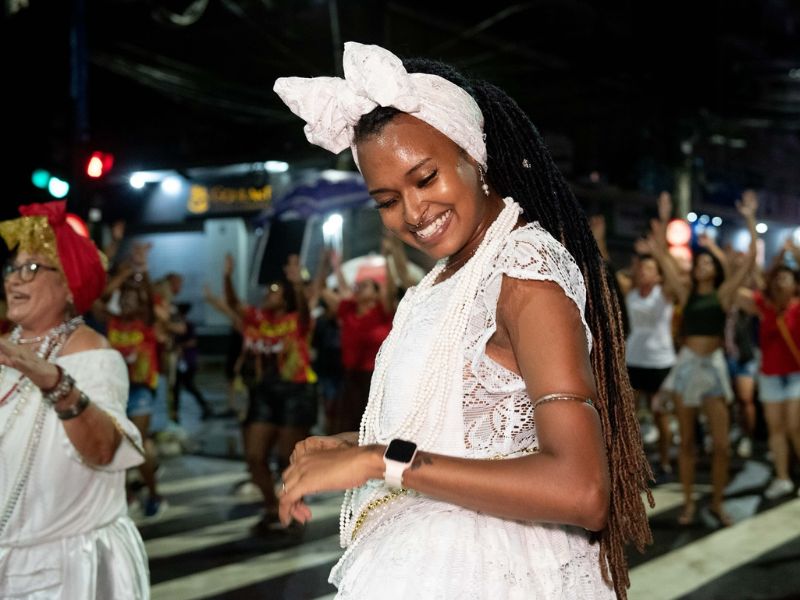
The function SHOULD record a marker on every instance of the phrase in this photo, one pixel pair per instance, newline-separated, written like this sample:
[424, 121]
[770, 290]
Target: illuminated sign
[219, 198]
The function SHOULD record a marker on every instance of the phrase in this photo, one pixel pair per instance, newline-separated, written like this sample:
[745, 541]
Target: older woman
[65, 442]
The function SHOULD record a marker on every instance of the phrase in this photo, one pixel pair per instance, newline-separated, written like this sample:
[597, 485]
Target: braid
[520, 166]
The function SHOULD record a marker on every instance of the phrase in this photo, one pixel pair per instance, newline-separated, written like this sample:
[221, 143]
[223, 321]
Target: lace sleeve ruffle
[530, 254]
[103, 377]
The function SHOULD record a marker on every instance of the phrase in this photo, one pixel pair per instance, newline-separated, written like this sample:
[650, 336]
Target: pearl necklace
[24, 388]
[49, 349]
[445, 357]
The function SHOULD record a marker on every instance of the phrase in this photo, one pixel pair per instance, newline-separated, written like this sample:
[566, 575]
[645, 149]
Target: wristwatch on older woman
[398, 457]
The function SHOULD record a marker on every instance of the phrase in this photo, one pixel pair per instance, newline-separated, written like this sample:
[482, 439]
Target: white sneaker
[649, 433]
[779, 488]
[745, 447]
[247, 490]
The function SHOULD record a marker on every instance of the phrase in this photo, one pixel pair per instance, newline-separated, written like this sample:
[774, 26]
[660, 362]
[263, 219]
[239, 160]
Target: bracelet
[557, 396]
[76, 409]
[61, 389]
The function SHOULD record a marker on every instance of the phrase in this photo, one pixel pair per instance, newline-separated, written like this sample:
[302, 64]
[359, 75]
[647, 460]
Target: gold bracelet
[561, 396]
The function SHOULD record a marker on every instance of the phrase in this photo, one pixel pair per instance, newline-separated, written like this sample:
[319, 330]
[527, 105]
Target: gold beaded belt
[378, 502]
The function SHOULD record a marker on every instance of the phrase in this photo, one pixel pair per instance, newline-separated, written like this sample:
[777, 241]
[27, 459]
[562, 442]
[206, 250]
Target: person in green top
[700, 380]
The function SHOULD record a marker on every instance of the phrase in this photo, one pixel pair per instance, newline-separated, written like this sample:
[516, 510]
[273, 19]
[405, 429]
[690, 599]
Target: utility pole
[80, 110]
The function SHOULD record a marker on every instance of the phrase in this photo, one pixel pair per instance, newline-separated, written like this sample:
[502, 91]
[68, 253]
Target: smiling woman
[499, 455]
[65, 441]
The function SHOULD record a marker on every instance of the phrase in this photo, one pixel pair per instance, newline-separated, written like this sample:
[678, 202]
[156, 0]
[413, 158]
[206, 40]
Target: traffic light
[58, 188]
[99, 164]
[679, 236]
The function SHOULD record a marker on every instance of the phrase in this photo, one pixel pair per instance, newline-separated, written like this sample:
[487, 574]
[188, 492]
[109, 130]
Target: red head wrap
[80, 259]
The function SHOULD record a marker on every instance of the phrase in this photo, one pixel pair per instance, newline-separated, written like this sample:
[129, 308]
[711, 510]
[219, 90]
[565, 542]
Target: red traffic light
[99, 164]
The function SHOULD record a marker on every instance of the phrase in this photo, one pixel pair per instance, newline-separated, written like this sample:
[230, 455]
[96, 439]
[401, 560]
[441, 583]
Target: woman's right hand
[318, 443]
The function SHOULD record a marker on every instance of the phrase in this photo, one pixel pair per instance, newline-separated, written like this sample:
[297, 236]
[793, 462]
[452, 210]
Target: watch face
[400, 450]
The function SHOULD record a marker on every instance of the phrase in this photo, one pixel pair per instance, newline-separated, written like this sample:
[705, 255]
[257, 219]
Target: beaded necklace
[445, 358]
[51, 344]
[23, 389]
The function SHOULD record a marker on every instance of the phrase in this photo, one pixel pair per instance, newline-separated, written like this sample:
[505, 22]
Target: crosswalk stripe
[715, 554]
[230, 577]
[207, 504]
[222, 533]
[193, 484]
[669, 496]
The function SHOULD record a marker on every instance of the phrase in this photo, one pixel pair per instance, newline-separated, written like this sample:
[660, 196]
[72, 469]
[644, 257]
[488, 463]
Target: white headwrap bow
[373, 76]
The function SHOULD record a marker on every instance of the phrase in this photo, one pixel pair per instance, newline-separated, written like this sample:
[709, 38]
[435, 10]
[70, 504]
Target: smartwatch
[397, 458]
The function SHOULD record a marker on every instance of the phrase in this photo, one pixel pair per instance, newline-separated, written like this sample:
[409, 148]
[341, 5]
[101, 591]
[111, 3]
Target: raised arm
[729, 288]
[400, 261]
[345, 291]
[117, 234]
[295, 279]
[705, 241]
[124, 271]
[318, 283]
[231, 299]
[220, 305]
[673, 283]
[135, 264]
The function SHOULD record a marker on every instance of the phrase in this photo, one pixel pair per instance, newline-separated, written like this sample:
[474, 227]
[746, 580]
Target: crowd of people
[483, 422]
[708, 342]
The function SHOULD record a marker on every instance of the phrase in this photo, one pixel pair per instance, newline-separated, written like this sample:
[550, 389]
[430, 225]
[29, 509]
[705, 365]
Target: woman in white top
[65, 442]
[650, 350]
[496, 458]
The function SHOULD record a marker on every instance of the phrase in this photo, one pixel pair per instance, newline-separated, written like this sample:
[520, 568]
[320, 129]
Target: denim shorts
[779, 388]
[141, 401]
[745, 369]
[697, 377]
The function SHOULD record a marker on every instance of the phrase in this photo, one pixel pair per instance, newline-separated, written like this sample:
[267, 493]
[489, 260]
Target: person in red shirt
[365, 314]
[778, 309]
[276, 361]
[133, 328]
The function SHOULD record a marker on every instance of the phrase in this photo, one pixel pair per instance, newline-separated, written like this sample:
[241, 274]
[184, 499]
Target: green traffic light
[40, 178]
[58, 188]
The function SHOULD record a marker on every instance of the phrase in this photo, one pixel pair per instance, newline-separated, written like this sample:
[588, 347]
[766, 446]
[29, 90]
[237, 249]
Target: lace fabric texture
[498, 415]
[430, 549]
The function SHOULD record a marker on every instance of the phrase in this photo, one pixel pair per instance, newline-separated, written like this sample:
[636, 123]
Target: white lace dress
[412, 546]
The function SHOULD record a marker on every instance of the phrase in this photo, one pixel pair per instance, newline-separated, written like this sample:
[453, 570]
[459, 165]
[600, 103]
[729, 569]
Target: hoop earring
[484, 186]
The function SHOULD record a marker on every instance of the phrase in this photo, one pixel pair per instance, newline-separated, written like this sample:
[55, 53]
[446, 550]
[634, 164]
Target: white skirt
[107, 563]
[421, 548]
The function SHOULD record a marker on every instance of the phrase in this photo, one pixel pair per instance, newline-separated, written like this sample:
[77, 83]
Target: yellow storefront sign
[203, 199]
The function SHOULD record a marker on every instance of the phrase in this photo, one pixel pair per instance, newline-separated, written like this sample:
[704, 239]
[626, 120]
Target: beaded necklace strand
[444, 358]
[49, 350]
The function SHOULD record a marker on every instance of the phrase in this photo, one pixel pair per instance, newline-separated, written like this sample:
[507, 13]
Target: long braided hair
[520, 166]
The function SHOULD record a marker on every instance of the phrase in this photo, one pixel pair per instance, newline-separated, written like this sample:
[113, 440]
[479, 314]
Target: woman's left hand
[42, 373]
[326, 471]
